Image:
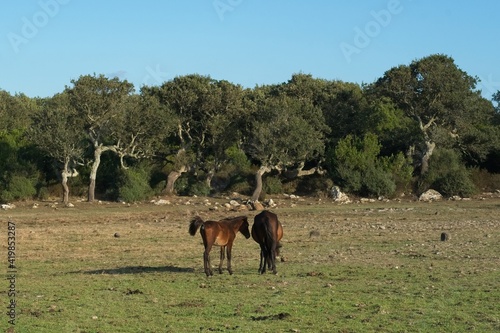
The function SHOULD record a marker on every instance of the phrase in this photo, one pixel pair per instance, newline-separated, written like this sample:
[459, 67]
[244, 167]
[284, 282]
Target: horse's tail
[269, 234]
[196, 222]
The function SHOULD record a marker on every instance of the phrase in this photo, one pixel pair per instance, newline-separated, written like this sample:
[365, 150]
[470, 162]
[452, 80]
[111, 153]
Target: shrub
[18, 188]
[447, 175]
[199, 188]
[358, 168]
[191, 185]
[43, 193]
[181, 185]
[134, 185]
[272, 185]
[455, 182]
[484, 180]
[313, 185]
[379, 182]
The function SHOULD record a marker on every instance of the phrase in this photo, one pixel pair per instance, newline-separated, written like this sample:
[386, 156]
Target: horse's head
[244, 228]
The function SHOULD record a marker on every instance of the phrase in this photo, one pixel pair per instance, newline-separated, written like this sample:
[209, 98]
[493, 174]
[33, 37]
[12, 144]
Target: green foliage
[272, 185]
[484, 180]
[314, 185]
[240, 184]
[401, 170]
[18, 175]
[359, 169]
[447, 175]
[199, 188]
[378, 182]
[18, 188]
[455, 182]
[190, 185]
[135, 185]
[238, 158]
[216, 127]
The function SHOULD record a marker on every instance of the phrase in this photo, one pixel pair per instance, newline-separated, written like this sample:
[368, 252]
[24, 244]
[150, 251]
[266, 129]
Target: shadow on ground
[137, 270]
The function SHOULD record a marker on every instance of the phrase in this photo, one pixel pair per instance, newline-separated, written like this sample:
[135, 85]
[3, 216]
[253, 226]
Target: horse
[221, 233]
[267, 231]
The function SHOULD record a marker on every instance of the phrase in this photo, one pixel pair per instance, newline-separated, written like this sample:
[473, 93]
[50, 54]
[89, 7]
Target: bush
[191, 185]
[43, 193]
[316, 185]
[241, 185]
[181, 185]
[358, 168]
[456, 182]
[199, 188]
[484, 180]
[447, 175]
[378, 182]
[18, 188]
[134, 185]
[272, 185]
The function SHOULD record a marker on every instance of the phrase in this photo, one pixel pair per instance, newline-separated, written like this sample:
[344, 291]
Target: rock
[161, 202]
[257, 205]
[430, 195]
[234, 203]
[444, 236]
[339, 196]
[271, 203]
[314, 233]
[8, 206]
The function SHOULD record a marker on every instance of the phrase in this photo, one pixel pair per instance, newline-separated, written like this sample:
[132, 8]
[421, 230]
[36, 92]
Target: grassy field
[362, 267]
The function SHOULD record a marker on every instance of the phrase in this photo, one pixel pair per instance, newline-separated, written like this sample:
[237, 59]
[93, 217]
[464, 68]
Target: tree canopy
[196, 134]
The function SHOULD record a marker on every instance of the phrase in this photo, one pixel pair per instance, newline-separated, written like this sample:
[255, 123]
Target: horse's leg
[272, 257]
[222, 249]
[269, 260]
[263, 259]
[206, 261]
[228, 249]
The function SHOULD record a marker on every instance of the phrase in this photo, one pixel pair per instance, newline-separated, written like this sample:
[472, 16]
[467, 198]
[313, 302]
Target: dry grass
[347, 268]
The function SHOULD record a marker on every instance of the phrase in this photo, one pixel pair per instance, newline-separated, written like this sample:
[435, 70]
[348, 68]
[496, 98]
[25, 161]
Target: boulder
[257, 205]
[430, 195]
[338, 195]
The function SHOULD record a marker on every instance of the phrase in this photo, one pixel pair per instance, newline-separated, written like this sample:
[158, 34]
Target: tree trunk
[172, 177]
[208, 180]
[98, 150]
[258, 182]
[64, 183]
[66, 173]
[427, 156]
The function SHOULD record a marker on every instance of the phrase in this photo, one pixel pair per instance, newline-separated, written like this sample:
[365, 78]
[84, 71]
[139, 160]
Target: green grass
[377, 267]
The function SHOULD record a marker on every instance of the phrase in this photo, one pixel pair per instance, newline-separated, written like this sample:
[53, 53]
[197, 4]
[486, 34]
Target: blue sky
[46, 43]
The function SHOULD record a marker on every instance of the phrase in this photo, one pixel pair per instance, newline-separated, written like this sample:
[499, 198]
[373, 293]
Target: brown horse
[267, 231]
[221, 233]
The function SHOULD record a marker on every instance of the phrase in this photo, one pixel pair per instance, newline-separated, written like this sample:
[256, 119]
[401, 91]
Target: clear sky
[46, 43]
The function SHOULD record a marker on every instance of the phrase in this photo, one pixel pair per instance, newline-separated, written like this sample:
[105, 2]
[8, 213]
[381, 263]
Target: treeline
[422, 125]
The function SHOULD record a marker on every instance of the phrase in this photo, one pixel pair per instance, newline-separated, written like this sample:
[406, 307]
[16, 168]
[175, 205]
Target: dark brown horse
[221, 233]
[267, 231]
